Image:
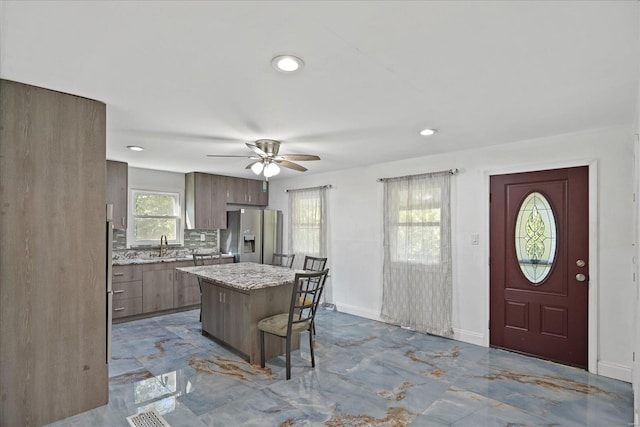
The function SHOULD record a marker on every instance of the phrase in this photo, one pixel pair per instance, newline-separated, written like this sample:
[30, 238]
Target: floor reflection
[367, 374]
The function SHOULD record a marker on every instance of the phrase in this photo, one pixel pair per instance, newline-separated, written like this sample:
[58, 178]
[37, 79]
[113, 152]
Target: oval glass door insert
[535, 238]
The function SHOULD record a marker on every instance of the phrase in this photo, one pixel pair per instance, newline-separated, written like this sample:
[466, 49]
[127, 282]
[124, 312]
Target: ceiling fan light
[271, 170]
[257, 168]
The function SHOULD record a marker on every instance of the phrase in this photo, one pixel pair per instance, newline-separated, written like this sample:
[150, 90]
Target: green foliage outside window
[156, 214]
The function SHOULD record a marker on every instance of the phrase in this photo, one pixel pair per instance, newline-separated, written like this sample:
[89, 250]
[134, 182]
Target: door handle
[580, 263]
[581, 277]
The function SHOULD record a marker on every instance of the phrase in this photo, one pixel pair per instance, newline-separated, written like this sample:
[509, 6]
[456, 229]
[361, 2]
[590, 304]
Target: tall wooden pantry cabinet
[52, 257]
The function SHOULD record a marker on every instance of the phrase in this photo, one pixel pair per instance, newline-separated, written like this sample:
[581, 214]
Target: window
[155, 214]
[417, 233]
[307, 212]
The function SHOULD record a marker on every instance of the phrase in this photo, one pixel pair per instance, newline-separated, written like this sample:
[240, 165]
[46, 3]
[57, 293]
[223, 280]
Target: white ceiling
[186, 79]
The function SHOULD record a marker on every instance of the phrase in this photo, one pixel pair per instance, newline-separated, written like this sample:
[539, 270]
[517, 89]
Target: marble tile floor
[367, 374]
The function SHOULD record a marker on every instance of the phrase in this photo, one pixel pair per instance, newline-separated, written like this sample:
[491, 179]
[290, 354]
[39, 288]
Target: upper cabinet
[257, 192]
[206, 203]
[207, 197]
[249, 192]
[117, 184]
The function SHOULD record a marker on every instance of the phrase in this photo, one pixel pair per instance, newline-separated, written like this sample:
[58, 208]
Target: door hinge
[489, 325]
[490, 197]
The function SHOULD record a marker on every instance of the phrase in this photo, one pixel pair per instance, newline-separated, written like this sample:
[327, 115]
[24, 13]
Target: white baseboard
[615, 371]
[357, 311]
[468, 337]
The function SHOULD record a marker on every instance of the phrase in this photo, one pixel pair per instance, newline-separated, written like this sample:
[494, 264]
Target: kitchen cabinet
[148, 288]
[236, 190]
[257, 192]
[127, 290]
[117, 188]
[53, 329]
[205, 202]
[186, 290]
[157, 289]
[226, 315]
[250, 192]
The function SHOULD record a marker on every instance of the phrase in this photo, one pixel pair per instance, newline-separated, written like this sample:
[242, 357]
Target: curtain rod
[451, 171]
[309, 188]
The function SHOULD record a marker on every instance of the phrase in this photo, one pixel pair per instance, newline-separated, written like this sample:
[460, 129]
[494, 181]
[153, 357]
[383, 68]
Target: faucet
[163, 245]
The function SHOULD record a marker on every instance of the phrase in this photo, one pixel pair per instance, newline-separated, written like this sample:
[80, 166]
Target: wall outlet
[203, 237]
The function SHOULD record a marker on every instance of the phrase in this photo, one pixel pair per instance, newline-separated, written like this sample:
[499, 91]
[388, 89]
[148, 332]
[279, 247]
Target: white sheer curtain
[307, 223]
[417, 283]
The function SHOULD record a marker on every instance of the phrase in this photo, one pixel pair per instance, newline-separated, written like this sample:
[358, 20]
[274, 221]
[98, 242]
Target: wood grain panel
[117, 192]
[53, 256]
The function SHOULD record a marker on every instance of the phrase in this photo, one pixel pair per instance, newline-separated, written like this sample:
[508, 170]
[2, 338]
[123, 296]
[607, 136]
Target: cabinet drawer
[124, 290]
[126, 273]
[127, 307]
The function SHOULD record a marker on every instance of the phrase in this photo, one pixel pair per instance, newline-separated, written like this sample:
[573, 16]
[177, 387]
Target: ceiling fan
[268, 161]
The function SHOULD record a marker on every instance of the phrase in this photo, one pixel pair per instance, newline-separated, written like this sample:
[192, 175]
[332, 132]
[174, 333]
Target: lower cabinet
[127, 290]
[226, 315]
[147, 288]
[186, 290]
[157, 289]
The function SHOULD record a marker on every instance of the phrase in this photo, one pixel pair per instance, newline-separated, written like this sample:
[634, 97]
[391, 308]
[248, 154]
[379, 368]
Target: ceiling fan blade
[303, 157]
[227, 155]
[291, 165]
[257, 150]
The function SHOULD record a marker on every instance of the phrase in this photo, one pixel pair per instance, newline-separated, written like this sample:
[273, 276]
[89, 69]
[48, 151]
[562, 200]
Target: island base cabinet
[232, 317]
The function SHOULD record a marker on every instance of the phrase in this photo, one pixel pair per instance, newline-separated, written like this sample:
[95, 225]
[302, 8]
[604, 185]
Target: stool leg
[262, 349]
[288, 357]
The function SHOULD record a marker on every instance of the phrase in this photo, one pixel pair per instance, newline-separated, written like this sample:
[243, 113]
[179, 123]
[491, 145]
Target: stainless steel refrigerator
[252, 235]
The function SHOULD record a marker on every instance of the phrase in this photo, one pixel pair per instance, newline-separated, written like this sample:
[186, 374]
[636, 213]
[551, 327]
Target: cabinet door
[117, 188]
[202, 201]
[213, 310]
[186, 290]
[157, 290]
[255, 195]
[219, 201]
[237, 190]
[236, 306]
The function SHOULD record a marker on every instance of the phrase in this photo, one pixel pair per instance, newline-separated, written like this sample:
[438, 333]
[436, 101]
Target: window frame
[133, 241]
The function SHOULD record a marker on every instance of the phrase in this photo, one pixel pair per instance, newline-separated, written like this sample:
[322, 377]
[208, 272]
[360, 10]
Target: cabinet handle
[118, 292]
[122, 220]
[118, 274]
[220, 297]
[118, 309]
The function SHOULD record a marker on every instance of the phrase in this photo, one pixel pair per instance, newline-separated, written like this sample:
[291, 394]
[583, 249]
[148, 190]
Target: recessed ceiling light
[427, 132]
[287, 63]
[135, 148]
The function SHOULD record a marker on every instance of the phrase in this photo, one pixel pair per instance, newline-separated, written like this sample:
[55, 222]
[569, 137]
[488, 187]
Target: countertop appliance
[252, 235]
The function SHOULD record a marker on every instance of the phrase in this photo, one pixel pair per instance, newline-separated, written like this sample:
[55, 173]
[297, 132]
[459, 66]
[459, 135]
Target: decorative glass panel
[535, 238]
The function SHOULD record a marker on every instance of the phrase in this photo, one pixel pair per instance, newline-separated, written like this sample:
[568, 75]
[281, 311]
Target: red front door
[539, 248]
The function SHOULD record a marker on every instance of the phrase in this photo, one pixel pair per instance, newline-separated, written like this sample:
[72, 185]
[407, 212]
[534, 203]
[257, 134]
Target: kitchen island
[235, 297]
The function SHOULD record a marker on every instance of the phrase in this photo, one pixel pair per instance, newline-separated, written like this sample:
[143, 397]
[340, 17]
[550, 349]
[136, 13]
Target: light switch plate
[475, 239]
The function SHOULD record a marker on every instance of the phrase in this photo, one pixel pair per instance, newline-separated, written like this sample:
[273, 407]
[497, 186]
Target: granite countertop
[244, 276]
[132, 261]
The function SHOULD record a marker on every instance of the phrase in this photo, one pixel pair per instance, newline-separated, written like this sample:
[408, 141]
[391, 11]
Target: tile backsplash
[192, 241]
